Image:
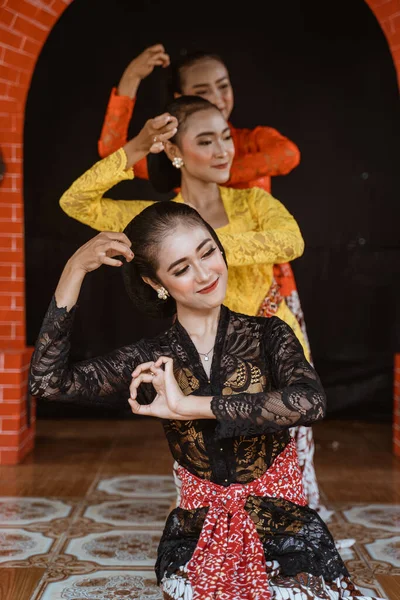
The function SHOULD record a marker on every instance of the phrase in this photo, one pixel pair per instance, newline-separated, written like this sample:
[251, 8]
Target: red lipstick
[209, 288]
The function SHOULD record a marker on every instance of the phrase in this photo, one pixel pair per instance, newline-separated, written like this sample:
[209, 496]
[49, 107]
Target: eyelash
[208, 142]
[205, 92]
[206, 255]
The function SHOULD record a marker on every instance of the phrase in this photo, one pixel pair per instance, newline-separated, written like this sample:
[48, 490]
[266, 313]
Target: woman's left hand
[170, 402]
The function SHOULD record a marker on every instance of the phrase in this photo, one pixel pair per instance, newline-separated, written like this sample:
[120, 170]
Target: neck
[200, 194]
[201, 325]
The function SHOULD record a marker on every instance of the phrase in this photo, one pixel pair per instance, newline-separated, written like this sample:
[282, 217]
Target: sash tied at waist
[229, 562]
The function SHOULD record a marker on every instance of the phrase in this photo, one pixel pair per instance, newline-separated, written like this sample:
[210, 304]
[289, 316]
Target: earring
[162, 293]
[177, 162]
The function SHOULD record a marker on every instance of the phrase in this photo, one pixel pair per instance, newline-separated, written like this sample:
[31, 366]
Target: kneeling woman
[243, 529]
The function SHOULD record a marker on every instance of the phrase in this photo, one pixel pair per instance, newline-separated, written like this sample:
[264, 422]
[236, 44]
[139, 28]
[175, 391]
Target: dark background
[320, 73]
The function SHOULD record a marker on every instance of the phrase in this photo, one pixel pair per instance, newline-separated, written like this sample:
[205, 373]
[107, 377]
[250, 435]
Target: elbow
[101, 150]
[63, 202]
[34, 388]
[299, 246]
[316, 410]
[292, 158]
[319, 408]
[296, 249]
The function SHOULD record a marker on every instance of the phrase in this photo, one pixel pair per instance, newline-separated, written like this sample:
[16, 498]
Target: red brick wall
[24, 26]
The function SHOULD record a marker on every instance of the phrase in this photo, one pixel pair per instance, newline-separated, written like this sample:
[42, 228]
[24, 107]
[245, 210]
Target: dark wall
[320, 73]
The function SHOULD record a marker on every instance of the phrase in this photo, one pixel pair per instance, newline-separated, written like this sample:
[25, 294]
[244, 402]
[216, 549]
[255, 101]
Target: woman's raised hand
[140, 67]
[151, 138]
[102, 250]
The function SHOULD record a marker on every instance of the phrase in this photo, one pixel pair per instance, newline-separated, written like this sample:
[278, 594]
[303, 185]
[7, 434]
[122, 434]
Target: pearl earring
[177, 162]
[162, 293]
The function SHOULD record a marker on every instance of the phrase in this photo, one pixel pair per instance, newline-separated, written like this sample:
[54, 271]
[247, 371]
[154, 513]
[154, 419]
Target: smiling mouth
[222, 167]
[209, 288]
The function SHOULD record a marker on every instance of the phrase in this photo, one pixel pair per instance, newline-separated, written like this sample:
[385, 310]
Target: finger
[112, 262]
[163, 137]
[142, 378]
[158, 59]
[163, 360]
[157, 148]
[142, 367]
[171, 125]
[116, 235]
[140, 409]
[136, 382]
[156, 48]
[115, 248]
[158, 376]
[146, 377]
[162, 120]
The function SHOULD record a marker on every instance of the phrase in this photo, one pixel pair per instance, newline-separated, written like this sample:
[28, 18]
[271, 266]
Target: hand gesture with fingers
[169, 401]
[151, 138]
[102, 250]
[140, 67]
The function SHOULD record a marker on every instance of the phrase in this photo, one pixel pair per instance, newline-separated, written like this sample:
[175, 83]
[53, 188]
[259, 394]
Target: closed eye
[181, 272]
[205, 255]
[209, 252]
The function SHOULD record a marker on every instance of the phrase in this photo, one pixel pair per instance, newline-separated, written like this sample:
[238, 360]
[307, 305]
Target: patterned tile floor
[76, 525]
[104, 546]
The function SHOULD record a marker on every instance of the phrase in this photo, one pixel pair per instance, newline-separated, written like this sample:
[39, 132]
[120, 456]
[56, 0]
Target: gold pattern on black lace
[186, 381]
[272, 388]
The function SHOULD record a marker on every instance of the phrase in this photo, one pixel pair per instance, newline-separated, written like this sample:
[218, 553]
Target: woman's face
[209, 79]
[192, 268]
[206, 147]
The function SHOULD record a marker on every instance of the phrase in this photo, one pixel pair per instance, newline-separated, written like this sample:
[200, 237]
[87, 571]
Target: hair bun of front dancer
[162, 174]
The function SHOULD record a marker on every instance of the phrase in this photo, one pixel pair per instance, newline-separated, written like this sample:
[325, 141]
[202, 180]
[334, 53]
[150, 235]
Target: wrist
[74, 270]
[128, 87]
[134, 151]
[196, 407]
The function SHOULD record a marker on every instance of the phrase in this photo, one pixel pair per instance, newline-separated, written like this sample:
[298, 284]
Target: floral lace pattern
[261, 385]
[260, 232]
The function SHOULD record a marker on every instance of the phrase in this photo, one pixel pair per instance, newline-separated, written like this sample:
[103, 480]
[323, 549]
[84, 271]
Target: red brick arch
[24, 27]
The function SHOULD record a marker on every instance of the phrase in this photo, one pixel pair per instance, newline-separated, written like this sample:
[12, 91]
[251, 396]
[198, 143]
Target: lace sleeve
[114, 133]
[276, 239]
[261, 152]
[85, 202]
[298, 397]
[53, 377]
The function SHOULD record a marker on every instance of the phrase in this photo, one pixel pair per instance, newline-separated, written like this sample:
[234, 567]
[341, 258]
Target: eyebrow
[177, 262]
[211, 132]
[200, 85]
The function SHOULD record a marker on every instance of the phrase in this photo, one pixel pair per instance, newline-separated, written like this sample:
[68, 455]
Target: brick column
[24, 26]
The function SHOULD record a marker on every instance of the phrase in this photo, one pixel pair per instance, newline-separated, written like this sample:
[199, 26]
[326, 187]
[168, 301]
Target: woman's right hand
[140, 67]
[101, 250]
[151, 138]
